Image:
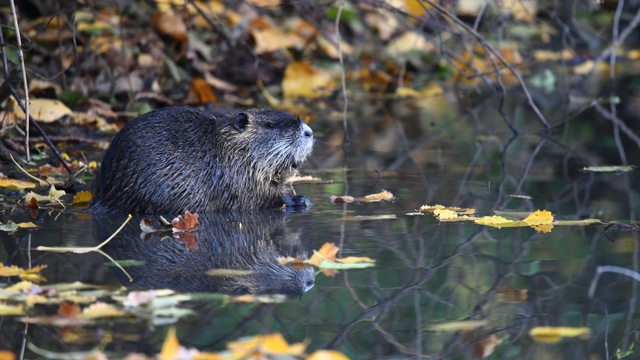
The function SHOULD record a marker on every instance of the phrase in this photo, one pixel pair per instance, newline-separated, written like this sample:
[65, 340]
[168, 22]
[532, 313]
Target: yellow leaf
[454, 326]
[83, 197]
[32, 274]
[101, 310]
[11, 310]
[171, 346]
[409, 42]
[327, 355]
[303, 80]
[17, 184]
[7, 355]
[355, 260]
[384, 195]
[26, 225]
[539, 217]
[416, 7]
[445, 214]
[588, 66]
[44, 110]
[496, 221]
[552, 335]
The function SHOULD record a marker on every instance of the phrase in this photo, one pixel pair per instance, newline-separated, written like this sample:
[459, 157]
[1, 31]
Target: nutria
[177, 158]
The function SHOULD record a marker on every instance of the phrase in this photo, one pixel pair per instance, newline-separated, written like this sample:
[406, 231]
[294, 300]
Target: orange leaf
[68, 310]
[202, 92]
[188, 223]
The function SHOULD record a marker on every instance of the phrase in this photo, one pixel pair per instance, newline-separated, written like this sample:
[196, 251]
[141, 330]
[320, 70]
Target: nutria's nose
[306, 130]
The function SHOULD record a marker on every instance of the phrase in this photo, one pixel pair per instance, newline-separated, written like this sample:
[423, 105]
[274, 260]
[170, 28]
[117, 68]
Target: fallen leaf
[342, 199]
[83, 197]
[170, 23]
[327, 355]
[11, 310]
[26, 225]
[454, 326]
[44, 110]
[458, 210]
[188, 223]
[7, 355]
[9, 226]
[384, 195]
[613, 169]
[32, 274]
[552, 335]
[17, 184]
[539, 217]
[69, 310]
[486, 346]
[201, 92]
[101, 310]
[171, 345]
[301, 79]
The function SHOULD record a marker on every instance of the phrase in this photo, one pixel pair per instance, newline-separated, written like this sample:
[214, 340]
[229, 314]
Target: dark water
[426, 272]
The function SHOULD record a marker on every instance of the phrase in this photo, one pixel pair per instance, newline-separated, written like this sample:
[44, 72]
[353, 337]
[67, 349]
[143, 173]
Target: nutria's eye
[269, 124]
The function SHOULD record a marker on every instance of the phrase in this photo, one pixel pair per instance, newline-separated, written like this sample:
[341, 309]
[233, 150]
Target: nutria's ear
[240, 122]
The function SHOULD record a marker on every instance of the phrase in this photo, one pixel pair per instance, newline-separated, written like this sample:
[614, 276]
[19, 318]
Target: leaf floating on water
[486, 346]
[445, 214]
[101, 310]
[83, 197]
[327, 355]
[342, 199]
[171, 345]
[10, 226]
[384, 195]
[609, 169]
[11, 310]
[539, 217]
[552, 335]
[270, 344]
[325, 259]
[32, 274]
[454, 326]
[188, 223]
[457, 210]
[26, 225]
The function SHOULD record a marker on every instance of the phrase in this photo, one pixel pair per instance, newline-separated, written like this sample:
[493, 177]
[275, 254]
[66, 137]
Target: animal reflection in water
[244, 246]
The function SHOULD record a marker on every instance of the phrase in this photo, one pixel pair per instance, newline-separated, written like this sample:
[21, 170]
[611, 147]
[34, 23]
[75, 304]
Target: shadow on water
[427, 273]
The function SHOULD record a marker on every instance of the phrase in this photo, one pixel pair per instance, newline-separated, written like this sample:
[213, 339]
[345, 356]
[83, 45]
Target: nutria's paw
[298, 201]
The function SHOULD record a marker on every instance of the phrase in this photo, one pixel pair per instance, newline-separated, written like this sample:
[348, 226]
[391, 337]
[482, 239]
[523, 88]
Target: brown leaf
[170, 23]
[188, 223]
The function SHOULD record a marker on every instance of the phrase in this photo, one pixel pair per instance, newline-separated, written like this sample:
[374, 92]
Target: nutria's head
[269, 144]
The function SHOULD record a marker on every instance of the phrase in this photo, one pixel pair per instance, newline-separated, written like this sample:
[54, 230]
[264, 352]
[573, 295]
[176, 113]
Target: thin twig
[24, 77]
[345, 98]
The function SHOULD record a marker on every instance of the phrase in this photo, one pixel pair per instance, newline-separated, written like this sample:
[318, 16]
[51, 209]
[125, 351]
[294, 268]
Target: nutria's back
[175, 159]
